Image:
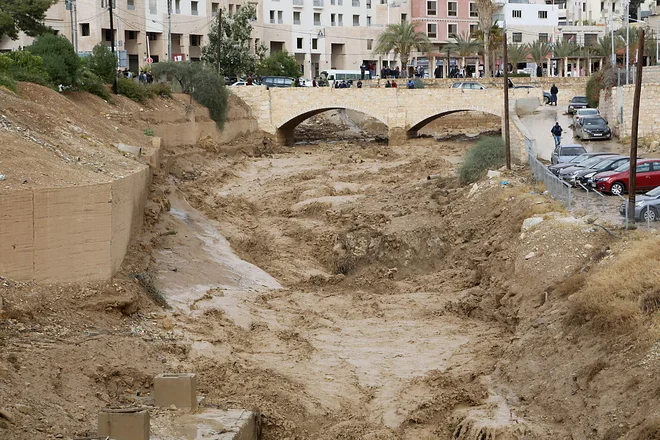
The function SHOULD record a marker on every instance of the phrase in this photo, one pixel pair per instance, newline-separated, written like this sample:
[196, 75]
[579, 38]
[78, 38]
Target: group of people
[143, 77]
[386, 72]
[368, 69]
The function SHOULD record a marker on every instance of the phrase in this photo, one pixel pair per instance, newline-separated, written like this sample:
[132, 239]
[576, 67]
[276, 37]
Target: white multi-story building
[328, 34]
[528, 22]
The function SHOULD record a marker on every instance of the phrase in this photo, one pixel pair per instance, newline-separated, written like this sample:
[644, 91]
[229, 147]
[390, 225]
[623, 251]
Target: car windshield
[594, 121]
[572, 151]
[591, 162]
[456, 85]
[623, 167]
[580, 158]
[606, 163]
[580, 99]
[654, 192]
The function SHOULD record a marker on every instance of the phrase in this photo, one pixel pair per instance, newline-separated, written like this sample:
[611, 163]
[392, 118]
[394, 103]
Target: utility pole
[635, 128]
[217, 63]
[507, 138]
[627, 42]
[112, 44]
[69, 7]
[169, 29]
[75, 24]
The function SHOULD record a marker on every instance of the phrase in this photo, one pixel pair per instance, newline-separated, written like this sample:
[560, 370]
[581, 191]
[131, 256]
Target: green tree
[202, 82]
[103, 63]
[464, 46]
[495, 38]
[564, 49]
[402, 39]
[59, 58]
[23, 15]
[279, 64]
[539, 51]
[485, 9]
[236, 56]
[516, 54]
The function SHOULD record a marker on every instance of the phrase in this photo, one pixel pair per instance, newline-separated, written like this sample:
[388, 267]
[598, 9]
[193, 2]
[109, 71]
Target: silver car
[584, 112]
[647, 206]
[566, 153]
[468, 85]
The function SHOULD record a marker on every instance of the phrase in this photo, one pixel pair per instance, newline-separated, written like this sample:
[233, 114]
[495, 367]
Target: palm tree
[516, 54]
[485, 9]
[604, 46]
[539, 52]
[402, 39]
[495, 41]
[463, 46]
[564, 49]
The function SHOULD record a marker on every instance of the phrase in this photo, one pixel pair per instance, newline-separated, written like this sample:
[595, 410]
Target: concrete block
[179, 390]
[124, 424]
[136, 151]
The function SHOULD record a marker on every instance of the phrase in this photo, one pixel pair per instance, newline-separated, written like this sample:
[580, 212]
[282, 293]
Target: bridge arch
[418, 123]
[285, 128]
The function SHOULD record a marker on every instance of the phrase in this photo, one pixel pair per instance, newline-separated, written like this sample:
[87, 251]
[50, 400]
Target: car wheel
[649, 215]
[546, 100]
[617, 188]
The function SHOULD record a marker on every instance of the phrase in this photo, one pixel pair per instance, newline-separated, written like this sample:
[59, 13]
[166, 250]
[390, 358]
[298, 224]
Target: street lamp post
[627, 41]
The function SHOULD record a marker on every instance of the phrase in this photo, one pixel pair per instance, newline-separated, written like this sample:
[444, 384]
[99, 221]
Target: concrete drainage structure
[124, 424]
[179, 390]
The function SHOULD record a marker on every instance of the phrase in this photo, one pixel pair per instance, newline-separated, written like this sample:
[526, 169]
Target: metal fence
[558, 189]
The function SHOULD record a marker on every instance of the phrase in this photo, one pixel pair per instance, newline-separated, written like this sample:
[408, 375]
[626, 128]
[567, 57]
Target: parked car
[547, 98]
[554, 169]
[587, 164]
[647, 206]
[592, 127]
[239, 84]
[468, 85]
[564, 153]
[584, 112]
[607, 163]
[277, 81]
[617, 181]
[576, 103]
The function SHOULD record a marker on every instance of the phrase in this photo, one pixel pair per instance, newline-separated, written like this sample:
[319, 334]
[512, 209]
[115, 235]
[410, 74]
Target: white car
[580, 113]
[239, 84]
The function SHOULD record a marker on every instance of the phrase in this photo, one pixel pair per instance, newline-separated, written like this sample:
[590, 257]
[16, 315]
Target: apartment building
[441, 20]
[140, 28]
[528, 22]
[328, 34]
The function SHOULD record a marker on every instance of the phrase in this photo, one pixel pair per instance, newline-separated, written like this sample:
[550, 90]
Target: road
[540, 123]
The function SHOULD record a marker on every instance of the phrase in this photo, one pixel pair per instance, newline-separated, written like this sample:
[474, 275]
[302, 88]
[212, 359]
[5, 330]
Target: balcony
[318, 3]
[298, 3]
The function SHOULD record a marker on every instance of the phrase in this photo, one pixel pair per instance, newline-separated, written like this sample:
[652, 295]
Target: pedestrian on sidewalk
[553, 93]
[556, 132]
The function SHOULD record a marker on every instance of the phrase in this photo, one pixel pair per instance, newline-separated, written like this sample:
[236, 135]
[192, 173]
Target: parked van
[277, 81]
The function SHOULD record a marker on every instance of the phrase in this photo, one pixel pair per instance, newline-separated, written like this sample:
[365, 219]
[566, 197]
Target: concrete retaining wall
[649, 112]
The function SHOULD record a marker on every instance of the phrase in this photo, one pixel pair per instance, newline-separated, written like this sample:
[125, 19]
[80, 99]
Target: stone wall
[651, 75]
[649, 112]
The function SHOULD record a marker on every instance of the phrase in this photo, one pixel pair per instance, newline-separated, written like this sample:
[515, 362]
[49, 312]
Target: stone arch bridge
[279, 110]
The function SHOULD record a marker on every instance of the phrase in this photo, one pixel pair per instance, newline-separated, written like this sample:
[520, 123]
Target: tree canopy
[103, 63]
[236, 56]
[401, 39]
[59, 58]
[23, 15]
[279, 64]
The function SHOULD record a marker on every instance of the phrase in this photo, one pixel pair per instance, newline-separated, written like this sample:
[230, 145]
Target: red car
[616, 182]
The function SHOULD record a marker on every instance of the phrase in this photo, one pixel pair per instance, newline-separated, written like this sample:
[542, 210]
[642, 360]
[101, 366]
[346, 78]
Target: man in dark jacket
[553, 92]
[556, 132]
[438, 72]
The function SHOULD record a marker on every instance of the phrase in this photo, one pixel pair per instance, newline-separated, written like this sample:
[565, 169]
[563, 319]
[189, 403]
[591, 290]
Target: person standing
[556, 132]
[438, 72]
[553, 93]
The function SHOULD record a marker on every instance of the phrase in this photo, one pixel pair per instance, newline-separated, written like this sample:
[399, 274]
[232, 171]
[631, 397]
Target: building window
[193, 8]
[368, 4]
[431, 7]
[452, 30]
[317, 19]
[152, 36]
[569, 37]
[84, 29]
[340, 19]
[299, 43]
[215, 7]
[370, 44]
[130, 4]
[177, 6]
[356, 20]
[543, 37]
[195, 40]
[516, 37]
[543, 14]
[432, 30]
[584, 7]
[404, 17]
[368, 20]
[602, 6]
[296, 17]
[516, 13]
[333, 19]
[356, 3]
[474, 30]
[452, 9]
[473, 10]
[280, 18]
[131, 35]
[153, 7]
[590, 40]
[107, 35]
[315, 43]
[272, 16]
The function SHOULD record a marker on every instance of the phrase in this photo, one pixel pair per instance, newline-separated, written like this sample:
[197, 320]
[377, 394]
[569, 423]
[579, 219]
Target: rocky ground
[339, 292]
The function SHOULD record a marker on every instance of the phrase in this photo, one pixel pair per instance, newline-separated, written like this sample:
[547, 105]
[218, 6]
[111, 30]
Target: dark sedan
[554, 169]
[592, 127]
[608, 163]
[565, 173]
[578, 102]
